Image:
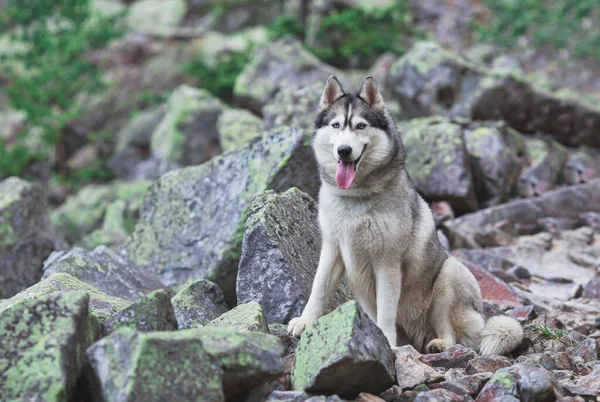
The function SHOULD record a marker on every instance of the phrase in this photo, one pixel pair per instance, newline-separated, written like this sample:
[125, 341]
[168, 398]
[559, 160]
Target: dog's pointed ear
[332, 92]
[369, 92]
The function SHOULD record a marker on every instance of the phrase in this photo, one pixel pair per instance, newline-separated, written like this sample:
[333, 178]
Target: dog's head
[354, 134]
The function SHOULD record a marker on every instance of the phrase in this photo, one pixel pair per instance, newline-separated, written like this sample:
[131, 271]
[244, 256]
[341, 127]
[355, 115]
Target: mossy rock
[281, 247]
[86, 211]
[194, 364]
[42, 346]
[237, 127]
[192, 220]
[438, 163]
[153, 312]
[344, 353]
[294, 106]
[244, 317]
[26, 236]
[101, 305]
[155, 16]
[106, 270]
[547, 159]
[198, 303]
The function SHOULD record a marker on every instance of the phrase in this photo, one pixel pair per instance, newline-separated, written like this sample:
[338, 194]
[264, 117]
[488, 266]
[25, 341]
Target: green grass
[548, 332]
[556, 24]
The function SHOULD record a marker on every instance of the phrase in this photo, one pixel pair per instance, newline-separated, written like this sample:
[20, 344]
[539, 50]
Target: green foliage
[50, 71]
[558, 24]
[549, 333]
[284, 26]
[14, 159]
[220, 78]
[355, 37]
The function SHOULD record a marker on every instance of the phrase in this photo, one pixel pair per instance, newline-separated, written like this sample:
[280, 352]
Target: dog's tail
[500, 336]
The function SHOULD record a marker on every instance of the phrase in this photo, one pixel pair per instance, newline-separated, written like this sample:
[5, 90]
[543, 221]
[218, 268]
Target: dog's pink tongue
[345, 174]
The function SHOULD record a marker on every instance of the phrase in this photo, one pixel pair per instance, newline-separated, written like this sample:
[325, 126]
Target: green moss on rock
[237, 127]
[101, 305]
[42, 344]
[245, 317]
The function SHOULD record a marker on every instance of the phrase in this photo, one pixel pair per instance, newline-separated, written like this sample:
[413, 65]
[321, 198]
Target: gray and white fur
[380, 234]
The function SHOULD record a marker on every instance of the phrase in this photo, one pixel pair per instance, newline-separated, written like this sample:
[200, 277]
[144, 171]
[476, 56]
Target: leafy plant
[549, 333]
[50, 70]
[284, 26]
[558, 24]
[220, 78]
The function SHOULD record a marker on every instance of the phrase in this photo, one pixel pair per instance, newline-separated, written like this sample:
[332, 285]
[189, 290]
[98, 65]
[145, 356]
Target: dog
[380, 234]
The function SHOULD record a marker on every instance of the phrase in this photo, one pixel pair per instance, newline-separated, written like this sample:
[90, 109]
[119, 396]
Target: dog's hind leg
[446, 336]
[328, 276]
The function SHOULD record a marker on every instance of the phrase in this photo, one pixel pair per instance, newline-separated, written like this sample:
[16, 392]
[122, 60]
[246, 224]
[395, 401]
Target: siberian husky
[380, 234]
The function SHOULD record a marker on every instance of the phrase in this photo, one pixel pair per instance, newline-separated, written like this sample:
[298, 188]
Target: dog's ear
[369, 92]
[332, 92]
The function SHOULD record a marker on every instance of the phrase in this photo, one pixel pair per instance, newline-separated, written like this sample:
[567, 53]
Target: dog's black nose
[344, 151]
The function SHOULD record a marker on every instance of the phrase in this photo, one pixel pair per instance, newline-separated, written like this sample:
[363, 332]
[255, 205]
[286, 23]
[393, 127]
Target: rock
[410, 371]
[133, 143]
[86, 211]
[590, 384]
[237, 127]
[430, 80]
[496, 167]
[104, 269]
[548, 159]
[198, 303]
[26, 236]
[279, 64]
[592, 289]
[469, 384]
[156, 17]
[191, 224]
[153, 312]
[440, 395]
[195, 364]
[287, 396]
[493, 289]
[535, 383]
[582, 166]
[280, 251]
[550, 360]
[101, 305]
[113, 231]
[448, 175]
[41, 344]
[244, 317]
[489, 364]
[567, 202]
[290, 342]
[187, 134]
[501, 384]
[523, 313]
[293, 106]
[343, 353]
[455, 357]
[366, 397]
[588, 350]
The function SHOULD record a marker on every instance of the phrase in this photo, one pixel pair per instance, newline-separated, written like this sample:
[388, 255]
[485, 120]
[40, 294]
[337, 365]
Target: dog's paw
[298, 325]
[436, 346]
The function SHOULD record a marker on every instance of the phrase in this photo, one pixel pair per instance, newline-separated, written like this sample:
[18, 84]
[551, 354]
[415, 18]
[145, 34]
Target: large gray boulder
[105, 269]
[191, 223]
[547, 161]
[280, 64]
[430, 80]
[438, 163]
[567, 202]
[41, 347]
[344, 353]
[294, 106]
[190, 365]
[26, 236]
[280, 254]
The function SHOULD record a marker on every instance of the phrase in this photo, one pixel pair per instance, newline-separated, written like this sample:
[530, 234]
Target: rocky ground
[176, 280]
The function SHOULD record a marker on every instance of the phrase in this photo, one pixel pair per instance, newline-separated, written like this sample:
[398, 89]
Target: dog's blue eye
[335, 125]
[361, 126]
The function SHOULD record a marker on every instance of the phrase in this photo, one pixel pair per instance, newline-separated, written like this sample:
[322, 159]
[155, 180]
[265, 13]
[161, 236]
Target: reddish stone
[456, 357]
[592, 289]
[489, 364]
[493, 289]
[523, 314]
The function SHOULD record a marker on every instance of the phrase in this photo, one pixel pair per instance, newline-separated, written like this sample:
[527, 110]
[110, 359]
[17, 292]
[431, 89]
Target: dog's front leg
[327, 278]
[388, 282]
